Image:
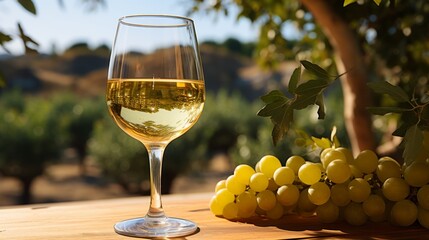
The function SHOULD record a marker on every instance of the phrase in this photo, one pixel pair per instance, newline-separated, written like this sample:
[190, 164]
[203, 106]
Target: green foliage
[280, 108]
[121, 158]
[28, 5]
[4, 38]
[79, 116]
[393, 35]
[30, 135]
[347, 2]
[414, 116]
[235, 46]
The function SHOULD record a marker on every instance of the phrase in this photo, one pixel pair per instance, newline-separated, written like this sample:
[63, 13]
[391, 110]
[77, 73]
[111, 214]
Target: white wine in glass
[155, 93]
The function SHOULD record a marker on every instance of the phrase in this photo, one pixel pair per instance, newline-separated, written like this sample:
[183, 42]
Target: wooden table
[95, 220]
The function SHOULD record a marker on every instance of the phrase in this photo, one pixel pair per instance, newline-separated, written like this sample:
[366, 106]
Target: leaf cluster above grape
[414, 116]
[301, 94]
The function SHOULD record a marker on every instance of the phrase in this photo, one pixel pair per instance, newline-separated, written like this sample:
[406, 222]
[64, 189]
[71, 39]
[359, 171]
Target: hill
[84, 72]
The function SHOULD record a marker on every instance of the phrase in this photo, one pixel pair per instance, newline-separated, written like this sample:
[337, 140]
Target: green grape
[374, 206]
[417, 174]
[422, 155]
[423, 197]
[359, 190]
[230, 211]
[324, 152]
[220, 200]
[284, 176]
[258, 182]
[266, 200]
[423, 217]
[257, 167]
[295, 162]
[322, 169]
[215, 207]
[247, 204]
[272, 185]
[354, 214]
[269, 164]
[288, 195]
[243, 173]
[340, 194]
[356, 173]
[331, 156]
[387, 167]
[395, 189]
[220, 185]
[304, 203]
[347, 153]
[234, 186]
[338, 171]
[403, 213]
[366, 161]
[327, 212]
[224, 196]
[276, 212]
[309, 173]
[319, 193]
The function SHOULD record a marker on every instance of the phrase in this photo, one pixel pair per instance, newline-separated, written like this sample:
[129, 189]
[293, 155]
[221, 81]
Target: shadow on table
[338, 229]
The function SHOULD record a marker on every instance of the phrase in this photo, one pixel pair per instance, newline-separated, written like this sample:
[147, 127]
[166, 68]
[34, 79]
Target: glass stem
[155, 215]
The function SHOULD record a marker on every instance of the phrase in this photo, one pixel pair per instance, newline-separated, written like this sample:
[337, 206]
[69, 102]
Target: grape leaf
[407, 119]
[4, 38]
[383, 87]
[27, 41]
[347, 2]
[294, 79]
[271, 107]
[308, 92]
[386, 110]
[316, 70]
[321, 142]
[273, 96]
[321, 103]
[280, 108]
[412, 142]
[377, 2]
[334, 139]
[282, 121]
[28, 5]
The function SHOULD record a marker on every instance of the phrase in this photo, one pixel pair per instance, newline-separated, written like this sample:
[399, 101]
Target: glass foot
[171, 227]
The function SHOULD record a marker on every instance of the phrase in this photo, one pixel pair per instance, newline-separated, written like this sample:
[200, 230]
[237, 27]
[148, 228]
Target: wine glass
[155, 93]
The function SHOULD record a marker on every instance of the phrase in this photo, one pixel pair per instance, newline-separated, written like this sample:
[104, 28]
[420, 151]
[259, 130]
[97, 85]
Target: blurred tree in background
[31, 135]
[367, 41]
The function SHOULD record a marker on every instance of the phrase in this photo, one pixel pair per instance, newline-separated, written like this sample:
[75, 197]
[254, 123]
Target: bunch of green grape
[340, 186]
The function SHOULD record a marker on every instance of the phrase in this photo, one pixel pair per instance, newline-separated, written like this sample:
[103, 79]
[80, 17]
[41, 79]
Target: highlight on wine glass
[155, 93]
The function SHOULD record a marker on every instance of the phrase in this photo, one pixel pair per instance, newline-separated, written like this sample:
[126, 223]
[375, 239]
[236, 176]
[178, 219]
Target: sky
[62, 27]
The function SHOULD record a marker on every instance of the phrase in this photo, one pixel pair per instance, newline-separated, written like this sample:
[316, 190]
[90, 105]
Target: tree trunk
[349, 57]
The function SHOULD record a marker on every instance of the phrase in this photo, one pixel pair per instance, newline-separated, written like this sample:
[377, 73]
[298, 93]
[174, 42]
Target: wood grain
[95, 219]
